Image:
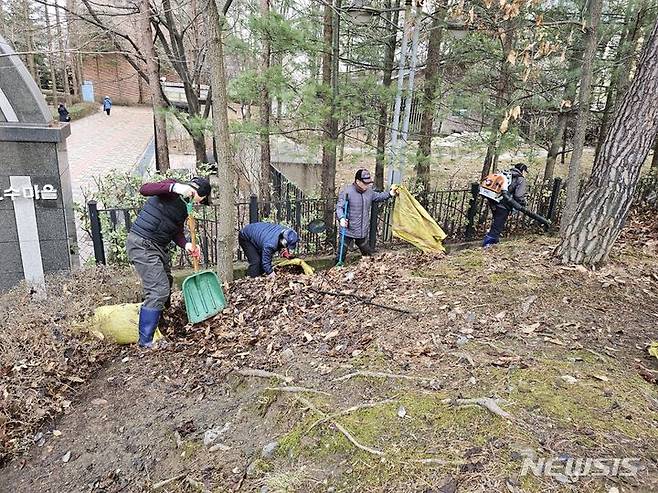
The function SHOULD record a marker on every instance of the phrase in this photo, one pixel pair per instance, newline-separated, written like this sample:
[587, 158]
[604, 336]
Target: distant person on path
[359, 197]
[107, 105]
[158, 223]
[63, 113]
[260, 241]
[517, 188]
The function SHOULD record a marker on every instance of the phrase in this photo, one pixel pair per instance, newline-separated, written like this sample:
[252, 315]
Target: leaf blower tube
[508, 198]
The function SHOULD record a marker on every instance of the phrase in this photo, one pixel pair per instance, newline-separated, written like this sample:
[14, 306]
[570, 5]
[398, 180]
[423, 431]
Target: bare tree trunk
[225, 167]
[502, 89]
[63, 57]
[200, 151]
[51, 61]
[177, 54]
[654, 159]
[563, 117]
[389, 55]
[157, 100]
[623, 61]
[573, 180]
[429, 101]
[265, 109]
[602, 211]
[78, 67]
[330, 130]
[72, 41]
[29, 40]
[556, 144]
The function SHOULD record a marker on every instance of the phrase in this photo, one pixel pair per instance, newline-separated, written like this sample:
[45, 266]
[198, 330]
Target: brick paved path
[99, 144]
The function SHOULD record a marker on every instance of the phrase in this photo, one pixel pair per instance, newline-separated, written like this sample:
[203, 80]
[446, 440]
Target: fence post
[555, 195]
[96, 234]
[126, 220]
[374, 216]
[253, 209]
[472, 211]
[298, 211]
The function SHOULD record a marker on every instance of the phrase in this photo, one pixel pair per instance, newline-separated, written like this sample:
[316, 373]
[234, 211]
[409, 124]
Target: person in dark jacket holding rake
[158, 223]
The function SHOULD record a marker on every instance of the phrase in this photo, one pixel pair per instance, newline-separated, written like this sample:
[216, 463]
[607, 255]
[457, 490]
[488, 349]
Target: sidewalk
[101, 143]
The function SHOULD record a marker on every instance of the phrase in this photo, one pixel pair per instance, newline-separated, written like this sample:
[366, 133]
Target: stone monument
[37, 225]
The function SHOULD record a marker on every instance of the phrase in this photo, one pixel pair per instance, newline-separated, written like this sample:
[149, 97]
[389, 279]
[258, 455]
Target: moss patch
[434, 439]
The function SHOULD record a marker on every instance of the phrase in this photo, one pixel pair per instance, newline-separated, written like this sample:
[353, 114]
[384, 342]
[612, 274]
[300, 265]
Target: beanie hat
[202, 187]
[291, 238]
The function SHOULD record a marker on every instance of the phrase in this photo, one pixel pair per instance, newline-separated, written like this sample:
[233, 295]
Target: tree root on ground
[254, 372]
[339, 427]
[164, 483]
[297, 389]
[379, 374]
[486, 402]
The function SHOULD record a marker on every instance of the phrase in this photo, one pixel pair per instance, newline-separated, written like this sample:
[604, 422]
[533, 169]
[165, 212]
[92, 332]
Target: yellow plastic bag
[119, 323]
[308, 270]
[413, 224]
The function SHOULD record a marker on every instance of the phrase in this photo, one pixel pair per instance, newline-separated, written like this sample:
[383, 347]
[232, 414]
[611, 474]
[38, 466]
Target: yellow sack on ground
[308, 270]
[119, 323]
[413, 224]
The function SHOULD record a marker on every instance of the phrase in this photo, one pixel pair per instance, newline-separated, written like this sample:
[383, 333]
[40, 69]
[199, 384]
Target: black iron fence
[462, 213]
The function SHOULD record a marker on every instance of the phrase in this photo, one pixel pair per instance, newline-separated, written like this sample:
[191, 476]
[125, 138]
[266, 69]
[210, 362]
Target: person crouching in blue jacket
[260, 241]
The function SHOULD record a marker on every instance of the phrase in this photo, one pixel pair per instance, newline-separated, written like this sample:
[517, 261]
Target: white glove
[193, 250]
[183, 189]
[343, 222]
[394, 190]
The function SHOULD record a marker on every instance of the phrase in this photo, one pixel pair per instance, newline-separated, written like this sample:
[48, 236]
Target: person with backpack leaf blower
[505, 191]
[354, 217]
[161, 221]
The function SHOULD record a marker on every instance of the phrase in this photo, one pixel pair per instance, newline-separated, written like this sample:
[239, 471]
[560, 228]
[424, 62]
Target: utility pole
[410, 91]
[399, 138]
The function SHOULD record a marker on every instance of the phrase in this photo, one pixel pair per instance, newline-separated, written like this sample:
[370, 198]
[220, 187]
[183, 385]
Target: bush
[78, 111]
[120, 190]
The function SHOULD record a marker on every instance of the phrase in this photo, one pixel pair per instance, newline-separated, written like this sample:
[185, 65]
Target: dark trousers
[107, 111]
[252, 253]
[362, 243]
[153, 264]
[500, 215]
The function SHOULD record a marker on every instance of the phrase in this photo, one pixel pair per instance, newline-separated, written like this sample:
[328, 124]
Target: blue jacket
[265, 237]
[107, 103]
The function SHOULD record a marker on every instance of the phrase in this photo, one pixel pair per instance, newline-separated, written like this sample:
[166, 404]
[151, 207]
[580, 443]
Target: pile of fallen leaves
[641, 230]
[334, 313]
[44, 352]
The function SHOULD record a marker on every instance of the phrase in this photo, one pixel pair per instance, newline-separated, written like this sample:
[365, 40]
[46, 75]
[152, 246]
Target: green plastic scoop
[202, 291]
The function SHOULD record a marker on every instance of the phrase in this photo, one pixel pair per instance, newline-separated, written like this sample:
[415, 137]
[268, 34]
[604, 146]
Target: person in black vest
[160, 222]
